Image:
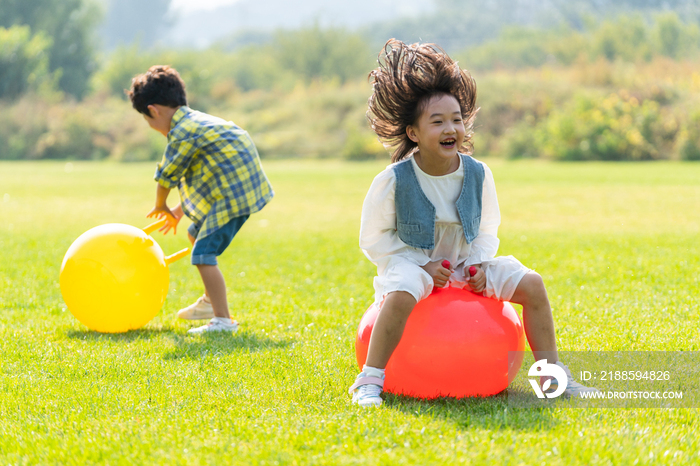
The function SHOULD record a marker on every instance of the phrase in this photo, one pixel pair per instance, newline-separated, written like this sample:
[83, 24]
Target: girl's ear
[411, 133]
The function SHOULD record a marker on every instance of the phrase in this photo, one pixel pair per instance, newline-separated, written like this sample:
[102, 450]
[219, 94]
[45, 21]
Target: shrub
[689, 139]
[616, 127]
[96, 128]
[362, 144]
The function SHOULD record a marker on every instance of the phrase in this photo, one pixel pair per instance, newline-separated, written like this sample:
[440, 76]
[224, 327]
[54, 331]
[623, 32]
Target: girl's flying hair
[407, 78]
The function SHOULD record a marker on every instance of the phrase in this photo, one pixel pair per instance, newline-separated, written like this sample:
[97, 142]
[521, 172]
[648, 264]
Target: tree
[23, 61]
[669, 30]
[323, 53]
[70, 25]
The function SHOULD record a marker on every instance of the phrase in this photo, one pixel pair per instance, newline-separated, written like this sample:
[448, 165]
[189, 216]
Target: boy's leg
[214, 300]
[200, 309]
[214, 286]
[204, 256]
[215, 289]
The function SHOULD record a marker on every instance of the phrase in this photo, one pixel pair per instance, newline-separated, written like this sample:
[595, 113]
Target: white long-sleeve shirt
[381, 244]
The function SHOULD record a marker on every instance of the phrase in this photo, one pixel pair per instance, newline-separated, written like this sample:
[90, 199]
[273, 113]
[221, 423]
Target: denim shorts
[208, 248]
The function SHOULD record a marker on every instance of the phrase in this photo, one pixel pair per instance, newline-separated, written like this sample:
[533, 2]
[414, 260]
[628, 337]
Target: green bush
[70, 136]
[362, 144]
[689, 139]
[519, 142]
[21, 124]
[96, 128]
[616, 127]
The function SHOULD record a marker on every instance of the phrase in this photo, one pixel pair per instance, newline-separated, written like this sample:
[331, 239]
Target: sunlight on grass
[616, 245]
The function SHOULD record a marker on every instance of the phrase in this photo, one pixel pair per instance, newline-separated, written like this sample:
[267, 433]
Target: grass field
[617, 245]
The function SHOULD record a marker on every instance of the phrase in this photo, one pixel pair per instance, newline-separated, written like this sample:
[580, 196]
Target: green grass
[616, 244]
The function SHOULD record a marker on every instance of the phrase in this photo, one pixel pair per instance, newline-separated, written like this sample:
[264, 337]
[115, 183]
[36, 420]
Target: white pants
[502, 277]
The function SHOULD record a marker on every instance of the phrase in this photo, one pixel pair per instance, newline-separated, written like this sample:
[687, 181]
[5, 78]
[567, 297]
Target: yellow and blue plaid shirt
[216, 167]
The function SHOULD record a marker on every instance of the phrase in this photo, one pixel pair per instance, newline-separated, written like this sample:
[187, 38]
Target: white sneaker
[200, 310]
[573, 388]
[215, 326]
[366, 390]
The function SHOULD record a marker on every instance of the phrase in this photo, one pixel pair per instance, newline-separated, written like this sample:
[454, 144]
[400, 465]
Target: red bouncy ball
[456, 343]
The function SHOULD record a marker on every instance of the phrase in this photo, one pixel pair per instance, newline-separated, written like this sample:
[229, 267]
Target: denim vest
[415, 214]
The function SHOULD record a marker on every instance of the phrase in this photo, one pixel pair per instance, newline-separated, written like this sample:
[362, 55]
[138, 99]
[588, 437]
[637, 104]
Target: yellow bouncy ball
[115, 277]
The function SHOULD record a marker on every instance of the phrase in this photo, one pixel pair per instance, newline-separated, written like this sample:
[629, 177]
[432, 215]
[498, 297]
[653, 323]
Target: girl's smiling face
[439, 131]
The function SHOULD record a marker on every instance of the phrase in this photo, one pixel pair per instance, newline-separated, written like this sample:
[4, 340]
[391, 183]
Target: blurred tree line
[473, 22]
[555, 80]
[46, 41]
[629, 38]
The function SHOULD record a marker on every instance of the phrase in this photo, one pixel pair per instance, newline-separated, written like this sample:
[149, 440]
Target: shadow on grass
[493, 412]
[219, 343]
[189, 346]
[131, 335]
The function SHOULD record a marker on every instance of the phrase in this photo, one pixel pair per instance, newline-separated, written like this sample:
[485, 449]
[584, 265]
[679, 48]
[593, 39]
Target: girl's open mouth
[448, 143]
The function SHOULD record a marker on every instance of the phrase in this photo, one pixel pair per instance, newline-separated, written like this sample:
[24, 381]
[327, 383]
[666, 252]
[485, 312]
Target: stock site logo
[543, 369]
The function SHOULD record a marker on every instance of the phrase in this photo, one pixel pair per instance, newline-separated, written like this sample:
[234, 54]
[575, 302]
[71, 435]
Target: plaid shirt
[216, 167]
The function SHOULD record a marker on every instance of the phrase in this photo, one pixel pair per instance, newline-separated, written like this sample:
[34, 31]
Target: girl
[435, 203]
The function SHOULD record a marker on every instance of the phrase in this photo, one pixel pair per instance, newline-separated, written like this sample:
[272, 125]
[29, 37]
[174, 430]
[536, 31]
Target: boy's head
[160, 85]
[408, 78]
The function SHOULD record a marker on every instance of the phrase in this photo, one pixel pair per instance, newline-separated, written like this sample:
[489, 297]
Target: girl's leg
[389, 327]
[539, 327]
[537, 317]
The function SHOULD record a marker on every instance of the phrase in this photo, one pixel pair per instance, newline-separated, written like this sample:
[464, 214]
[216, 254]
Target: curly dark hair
[160, 85]
[407, 78]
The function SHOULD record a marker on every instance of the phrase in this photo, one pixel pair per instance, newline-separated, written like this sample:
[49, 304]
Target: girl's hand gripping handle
[472, 269]
[477, 280]
[438, 272]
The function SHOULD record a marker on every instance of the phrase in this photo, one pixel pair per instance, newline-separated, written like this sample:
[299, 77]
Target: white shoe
[215, 326]
[573, 388]
[200, 310]
[366, 390]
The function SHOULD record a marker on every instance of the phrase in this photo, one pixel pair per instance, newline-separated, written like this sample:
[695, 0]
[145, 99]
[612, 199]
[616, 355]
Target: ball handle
[177, 256]
[472, 269]
[154, 226]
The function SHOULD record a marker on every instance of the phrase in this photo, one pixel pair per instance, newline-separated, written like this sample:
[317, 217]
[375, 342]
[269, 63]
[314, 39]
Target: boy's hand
[477, 282]
[171, 217]
[439, 274]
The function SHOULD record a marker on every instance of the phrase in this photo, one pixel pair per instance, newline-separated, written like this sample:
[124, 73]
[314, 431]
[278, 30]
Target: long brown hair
[408, 76]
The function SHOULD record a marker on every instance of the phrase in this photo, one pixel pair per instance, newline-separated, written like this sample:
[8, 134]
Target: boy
[216, 168]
